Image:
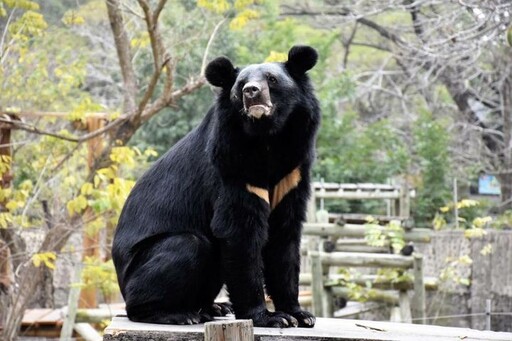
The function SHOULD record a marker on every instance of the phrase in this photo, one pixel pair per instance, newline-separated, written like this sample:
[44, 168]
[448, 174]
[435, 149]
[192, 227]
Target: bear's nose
[251, 90]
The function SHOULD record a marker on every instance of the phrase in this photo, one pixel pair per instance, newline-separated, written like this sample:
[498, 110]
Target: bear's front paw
[305, 319]
[274, 319]
[220, 309]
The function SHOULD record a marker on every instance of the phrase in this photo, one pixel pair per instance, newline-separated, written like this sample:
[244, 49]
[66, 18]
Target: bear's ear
[221, 72]
[301, 59]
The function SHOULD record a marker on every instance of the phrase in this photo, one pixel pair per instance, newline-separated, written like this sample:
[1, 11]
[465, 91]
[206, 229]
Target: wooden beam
[353, 259]
[87, 332]
[121, 329]
[377, 282]
[418, 235]
[374, 295]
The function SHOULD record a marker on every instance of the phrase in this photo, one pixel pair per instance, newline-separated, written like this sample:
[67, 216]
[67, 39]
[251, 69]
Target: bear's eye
[271, 79]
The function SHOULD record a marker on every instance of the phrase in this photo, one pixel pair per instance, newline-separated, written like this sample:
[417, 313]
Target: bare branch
[161, 58]
[158, 10]
[124, 54]
[210, 41]
[346, 45]
[33, 129]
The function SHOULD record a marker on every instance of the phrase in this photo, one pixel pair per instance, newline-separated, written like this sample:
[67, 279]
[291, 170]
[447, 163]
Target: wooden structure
[342, 236]
[398, 196]
[50, 322]
[325, 287]
[121, 329]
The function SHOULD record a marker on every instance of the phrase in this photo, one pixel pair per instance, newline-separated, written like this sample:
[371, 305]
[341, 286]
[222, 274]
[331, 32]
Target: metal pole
[455, 201]
[488, 314]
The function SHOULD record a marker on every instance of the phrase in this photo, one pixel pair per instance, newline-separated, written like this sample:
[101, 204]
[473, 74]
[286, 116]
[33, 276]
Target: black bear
[226, 203]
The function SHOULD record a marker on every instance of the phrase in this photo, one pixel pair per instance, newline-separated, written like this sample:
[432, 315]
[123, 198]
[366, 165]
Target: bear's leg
[173, 281]
[240, 223]
[282, 254]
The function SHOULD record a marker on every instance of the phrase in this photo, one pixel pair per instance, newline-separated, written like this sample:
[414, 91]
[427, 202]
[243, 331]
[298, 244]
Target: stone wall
[490, 275]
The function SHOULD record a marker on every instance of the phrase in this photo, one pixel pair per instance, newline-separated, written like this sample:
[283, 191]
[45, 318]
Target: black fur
[190, 224]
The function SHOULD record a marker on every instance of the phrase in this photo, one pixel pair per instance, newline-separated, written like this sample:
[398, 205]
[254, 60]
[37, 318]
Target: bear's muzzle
[256, 98]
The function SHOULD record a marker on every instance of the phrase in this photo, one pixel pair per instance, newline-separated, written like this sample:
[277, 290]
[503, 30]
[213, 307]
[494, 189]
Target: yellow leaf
[243, 19]
[276, 57]
[86, 189]
[46, 258]
[486, 250]
[480, 222]
[216, 6]
[465, 260]
[474, 233]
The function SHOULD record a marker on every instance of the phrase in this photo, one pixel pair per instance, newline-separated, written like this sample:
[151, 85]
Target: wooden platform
[121, 329]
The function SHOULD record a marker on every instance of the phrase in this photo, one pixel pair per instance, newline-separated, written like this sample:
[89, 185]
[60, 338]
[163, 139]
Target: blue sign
[488, 184]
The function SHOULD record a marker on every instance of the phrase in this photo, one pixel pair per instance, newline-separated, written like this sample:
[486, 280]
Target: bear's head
[264, 95]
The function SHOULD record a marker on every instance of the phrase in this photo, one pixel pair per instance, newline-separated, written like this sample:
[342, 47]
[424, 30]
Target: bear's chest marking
[261, 192]
[283, 187]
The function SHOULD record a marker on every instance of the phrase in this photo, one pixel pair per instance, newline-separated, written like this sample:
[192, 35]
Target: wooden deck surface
[121, 329]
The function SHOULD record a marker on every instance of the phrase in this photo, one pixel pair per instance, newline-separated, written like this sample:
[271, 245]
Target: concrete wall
[490, 275]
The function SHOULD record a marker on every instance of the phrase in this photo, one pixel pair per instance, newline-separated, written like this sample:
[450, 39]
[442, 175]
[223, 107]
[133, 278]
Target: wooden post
[455, 201]
[405, 204]
[405, 307]
[327, 303]
[487, 314]
[317, 283]
[238, 330]
[66, 331]
[418, 299]
[311, 208]
[91, 241]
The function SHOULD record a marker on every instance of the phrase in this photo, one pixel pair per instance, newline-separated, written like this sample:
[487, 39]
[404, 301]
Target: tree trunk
[506, 191]
[505, 178]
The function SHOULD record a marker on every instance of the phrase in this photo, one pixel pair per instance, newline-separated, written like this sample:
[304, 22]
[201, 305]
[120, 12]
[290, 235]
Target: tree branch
[122, 44]
[208, 45]
[346, 45]
[80, 139]
[161, 59]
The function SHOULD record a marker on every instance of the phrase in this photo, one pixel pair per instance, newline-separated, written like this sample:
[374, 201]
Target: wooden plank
[358, 218]
[53, 318]
[325, 330]
[361, 248]
[32, 316]
[357, 195]
[354, 259]
[390, 297]
[377, 282]
[417, 235]
[332, 186]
